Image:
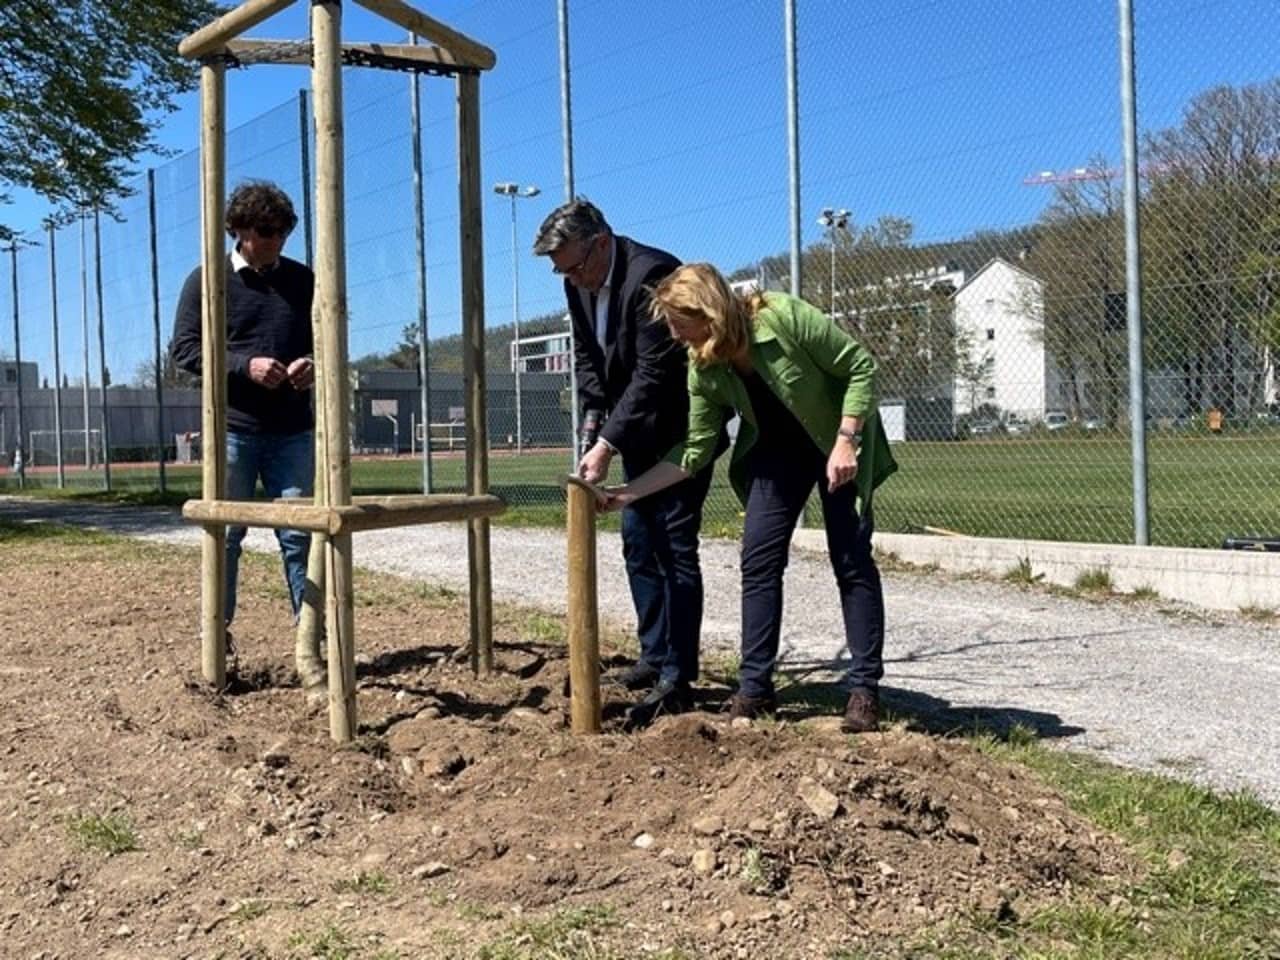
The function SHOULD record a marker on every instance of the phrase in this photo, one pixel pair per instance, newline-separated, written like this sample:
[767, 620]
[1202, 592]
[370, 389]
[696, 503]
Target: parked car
[982, 428]
[1056, 420]
[1092, 423]
[1016, 425]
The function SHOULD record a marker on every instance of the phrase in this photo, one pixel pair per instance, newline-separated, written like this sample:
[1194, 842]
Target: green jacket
[817, 370]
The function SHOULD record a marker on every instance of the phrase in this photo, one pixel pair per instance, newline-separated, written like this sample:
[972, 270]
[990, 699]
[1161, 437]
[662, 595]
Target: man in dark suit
[633, 392]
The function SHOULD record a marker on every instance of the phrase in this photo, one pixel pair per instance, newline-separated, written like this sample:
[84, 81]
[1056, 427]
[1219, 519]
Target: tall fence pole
[84, 340]
[566, 136]
[102, 351]
[1133, 277]
[793, 143]
[19, 460]
[161, 443]
[305, 157]
[420, 236]
[566, 102]
[57, 358]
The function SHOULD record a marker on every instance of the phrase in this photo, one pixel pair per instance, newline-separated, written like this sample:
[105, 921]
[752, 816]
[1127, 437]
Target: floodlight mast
[516, 191]
[834, 220]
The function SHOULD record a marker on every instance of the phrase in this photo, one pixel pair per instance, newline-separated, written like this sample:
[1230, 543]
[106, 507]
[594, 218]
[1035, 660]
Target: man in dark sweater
[269, 368]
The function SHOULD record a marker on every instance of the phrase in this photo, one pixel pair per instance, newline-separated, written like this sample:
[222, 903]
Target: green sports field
[1202, 488]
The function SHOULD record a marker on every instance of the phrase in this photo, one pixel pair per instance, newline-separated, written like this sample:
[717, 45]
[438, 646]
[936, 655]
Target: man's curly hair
[259, 203]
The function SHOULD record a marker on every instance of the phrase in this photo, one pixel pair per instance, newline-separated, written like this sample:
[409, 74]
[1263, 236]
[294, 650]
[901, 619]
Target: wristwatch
[853, 436]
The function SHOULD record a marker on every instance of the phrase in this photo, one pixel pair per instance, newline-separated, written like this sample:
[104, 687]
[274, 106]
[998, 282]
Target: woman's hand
[610, 499]
[842, 465]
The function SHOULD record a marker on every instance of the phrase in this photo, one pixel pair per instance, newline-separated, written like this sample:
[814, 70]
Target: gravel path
[1166, 689]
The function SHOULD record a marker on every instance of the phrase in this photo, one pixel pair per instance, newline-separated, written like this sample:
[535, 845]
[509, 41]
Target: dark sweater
[268, 315]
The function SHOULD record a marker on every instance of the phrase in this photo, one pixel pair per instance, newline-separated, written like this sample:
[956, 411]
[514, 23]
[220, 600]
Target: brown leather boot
[751, 708]
[862, 712]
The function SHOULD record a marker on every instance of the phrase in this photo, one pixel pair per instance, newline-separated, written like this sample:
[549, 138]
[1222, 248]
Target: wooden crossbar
[364, 513]
[400, 55]
[401, 14]
[230, 24]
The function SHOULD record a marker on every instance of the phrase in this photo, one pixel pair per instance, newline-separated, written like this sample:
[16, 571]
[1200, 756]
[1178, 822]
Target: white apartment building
[999, 313]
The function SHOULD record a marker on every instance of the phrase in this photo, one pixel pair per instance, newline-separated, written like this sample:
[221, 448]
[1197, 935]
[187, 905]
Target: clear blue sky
[932, 110]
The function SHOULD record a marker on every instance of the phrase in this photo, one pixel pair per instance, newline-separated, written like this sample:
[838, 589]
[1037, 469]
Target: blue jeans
[778, 484]
[285, 464]
[660, 548]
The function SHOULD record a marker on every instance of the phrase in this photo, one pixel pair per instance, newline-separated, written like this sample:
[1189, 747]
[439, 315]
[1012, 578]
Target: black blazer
[639, 379]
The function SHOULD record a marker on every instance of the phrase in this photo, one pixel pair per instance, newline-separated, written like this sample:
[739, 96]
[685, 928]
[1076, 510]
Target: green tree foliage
[1080, 261]
[445, 353]
[1210, 242]
[83, 84]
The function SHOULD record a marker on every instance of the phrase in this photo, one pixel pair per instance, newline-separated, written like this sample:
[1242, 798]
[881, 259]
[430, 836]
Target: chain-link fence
[961, 185]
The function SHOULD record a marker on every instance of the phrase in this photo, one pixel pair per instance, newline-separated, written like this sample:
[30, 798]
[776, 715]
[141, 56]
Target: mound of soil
[466, 805]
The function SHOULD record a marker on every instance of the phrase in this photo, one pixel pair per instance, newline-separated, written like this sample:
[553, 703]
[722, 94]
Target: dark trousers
[660, 548]
[779, 483]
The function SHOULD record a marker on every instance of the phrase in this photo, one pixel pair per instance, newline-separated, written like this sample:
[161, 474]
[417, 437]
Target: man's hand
[302, 373]
[594, 465]
[842, 465]
[267, 371]
[592, 421]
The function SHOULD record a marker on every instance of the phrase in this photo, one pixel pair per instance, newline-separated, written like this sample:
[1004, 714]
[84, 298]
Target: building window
[991, 333]
[991, 393]
[10, 375]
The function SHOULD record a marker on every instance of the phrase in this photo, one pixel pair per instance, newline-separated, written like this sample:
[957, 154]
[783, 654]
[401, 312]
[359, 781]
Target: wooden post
[472, 260]
[331, 354]
[584, 624]
[213, 352]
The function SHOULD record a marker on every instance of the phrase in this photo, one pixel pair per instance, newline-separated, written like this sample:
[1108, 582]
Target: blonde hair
[698, 292]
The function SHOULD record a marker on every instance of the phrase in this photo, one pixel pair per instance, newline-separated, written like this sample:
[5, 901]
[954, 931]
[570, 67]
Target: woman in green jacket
[804, 390]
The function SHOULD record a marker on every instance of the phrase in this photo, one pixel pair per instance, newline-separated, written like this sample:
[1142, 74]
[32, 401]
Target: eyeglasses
[270, 231]
[577, 267]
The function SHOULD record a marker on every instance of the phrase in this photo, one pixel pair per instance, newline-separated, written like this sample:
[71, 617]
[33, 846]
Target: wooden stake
[213, 352]
[584, 624]
[472, 259]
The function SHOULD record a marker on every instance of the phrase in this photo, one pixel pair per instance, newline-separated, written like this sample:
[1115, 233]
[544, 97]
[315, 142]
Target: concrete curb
[1217, 579]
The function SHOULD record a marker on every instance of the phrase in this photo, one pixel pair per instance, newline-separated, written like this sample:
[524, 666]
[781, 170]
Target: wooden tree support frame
[335, 515]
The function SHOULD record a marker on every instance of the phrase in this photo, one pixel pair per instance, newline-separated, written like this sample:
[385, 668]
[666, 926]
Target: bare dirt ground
[466, 809]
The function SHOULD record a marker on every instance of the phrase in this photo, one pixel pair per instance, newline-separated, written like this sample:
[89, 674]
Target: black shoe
[667, 697]
[641, 676]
